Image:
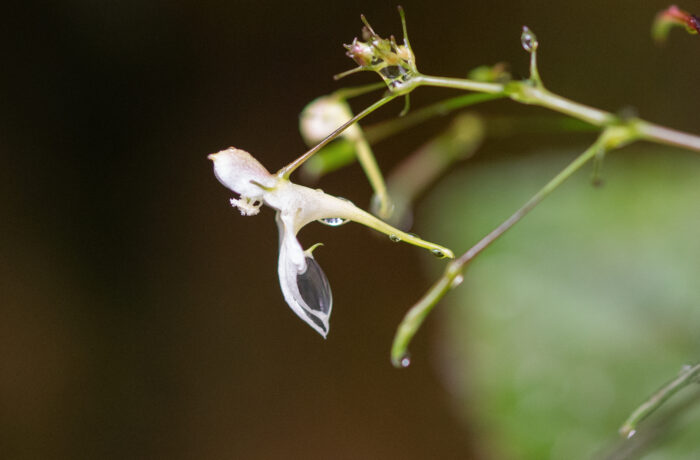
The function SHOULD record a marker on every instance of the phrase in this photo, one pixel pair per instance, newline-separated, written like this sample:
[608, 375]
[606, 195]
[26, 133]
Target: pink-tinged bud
[395, 63]
[674, 16]
[675, 13]
[360, 52]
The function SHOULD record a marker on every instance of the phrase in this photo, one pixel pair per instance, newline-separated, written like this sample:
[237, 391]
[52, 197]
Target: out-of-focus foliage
[572, 319]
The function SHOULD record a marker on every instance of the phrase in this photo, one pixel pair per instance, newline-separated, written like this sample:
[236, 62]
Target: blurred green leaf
[576, 315]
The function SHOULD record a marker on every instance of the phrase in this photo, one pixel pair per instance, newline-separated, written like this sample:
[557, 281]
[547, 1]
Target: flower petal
[304, 285]
[239, 171]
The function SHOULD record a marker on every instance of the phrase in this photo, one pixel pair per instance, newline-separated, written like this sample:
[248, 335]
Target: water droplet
[438, 253]
[528, 40]
[394, 238]
[333, 221]
[405, 361]
[631, 433]
[456, 281]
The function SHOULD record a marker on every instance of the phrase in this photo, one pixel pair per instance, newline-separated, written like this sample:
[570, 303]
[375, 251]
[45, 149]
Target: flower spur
[304, 285]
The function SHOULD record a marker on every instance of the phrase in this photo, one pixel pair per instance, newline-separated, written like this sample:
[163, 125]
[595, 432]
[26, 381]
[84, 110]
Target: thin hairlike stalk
[354, 91]
[688, 375]
[610, 138]
[291, 167]
[385, 129]
[552, 185]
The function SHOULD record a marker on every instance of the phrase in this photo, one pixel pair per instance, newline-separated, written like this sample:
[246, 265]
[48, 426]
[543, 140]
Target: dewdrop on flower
[304, 285]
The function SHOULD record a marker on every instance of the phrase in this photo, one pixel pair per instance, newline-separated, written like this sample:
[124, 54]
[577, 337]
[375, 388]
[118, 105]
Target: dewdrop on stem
[528, 40]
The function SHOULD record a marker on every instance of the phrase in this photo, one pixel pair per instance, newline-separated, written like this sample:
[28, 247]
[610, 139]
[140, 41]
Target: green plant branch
[611, 138]
[655, 133]
[530, 92]
[616, 133]
[688, 375]
[396, 65]
[337, 156]
[527, 93]
[382, 130]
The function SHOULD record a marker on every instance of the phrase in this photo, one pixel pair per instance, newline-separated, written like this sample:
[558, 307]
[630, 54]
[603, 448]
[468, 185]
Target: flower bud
[324, 115]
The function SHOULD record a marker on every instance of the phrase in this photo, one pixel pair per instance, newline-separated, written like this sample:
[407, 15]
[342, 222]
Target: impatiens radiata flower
[304, 285]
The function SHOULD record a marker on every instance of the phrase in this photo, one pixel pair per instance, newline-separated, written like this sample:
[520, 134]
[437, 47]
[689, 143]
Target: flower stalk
[611, 138]
[688, 375]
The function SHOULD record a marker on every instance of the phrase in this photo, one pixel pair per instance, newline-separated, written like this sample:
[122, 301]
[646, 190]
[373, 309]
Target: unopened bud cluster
[395, 63]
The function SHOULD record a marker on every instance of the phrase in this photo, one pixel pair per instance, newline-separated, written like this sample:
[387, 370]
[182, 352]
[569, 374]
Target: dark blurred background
[141, 316]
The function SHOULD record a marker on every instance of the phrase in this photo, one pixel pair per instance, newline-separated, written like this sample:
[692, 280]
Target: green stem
[459, 83]
[610, 138]
[374, 175]
[687, 375]
[414, 318]
[538, 95]
[385, 129]
[536, 199]
[527, 93]
[349, 93]
[285, 172]
[668, 136]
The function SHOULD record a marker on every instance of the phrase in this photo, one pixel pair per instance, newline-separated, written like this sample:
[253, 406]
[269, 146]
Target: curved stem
[414, 318]
[610, 138]
[687, 375]
[347, 210]
[536, 199]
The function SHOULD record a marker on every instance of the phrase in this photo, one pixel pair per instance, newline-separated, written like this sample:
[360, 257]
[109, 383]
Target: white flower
[304, 285]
